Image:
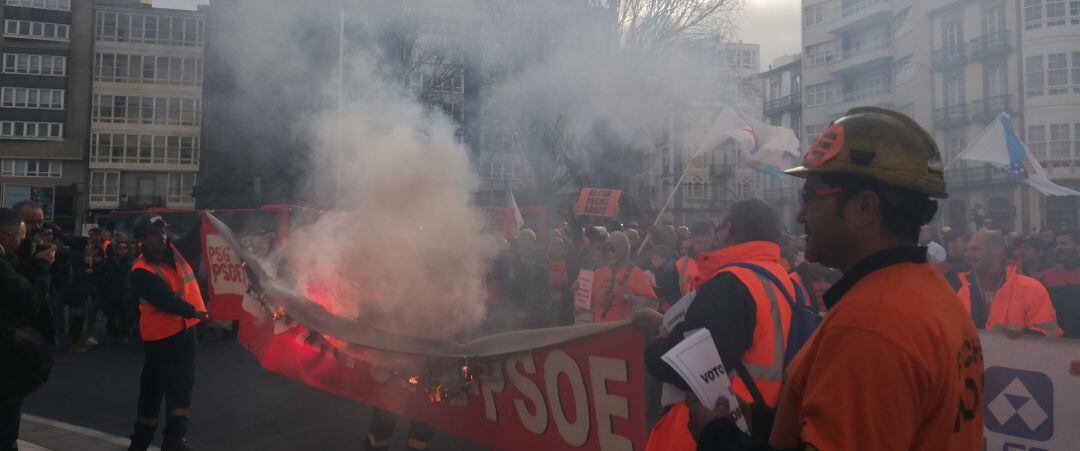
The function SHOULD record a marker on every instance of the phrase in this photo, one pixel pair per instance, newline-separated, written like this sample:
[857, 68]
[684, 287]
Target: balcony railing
[951, 116]
[859, 5]
[847, 54]
[793, 101]
[977, 176]
[991, 44]
[985, 110]
[862, 93]
[950, 56]
[721, 170]
[141, 202]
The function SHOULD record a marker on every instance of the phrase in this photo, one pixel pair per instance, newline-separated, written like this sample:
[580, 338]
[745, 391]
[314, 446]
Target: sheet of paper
[583, 294]
[698, 362]
[677, 312]
[670, 394]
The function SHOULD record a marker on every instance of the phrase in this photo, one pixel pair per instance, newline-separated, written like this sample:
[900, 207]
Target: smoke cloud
[403, 248]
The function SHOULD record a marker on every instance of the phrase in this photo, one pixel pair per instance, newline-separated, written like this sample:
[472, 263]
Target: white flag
[764, 145]
[999, 146]
[519, 221]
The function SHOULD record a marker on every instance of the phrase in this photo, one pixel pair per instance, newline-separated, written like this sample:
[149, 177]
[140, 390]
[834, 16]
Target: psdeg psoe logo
[1020, 403]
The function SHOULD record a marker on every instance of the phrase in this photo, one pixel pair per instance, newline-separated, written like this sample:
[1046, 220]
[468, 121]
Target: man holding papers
[746, 313]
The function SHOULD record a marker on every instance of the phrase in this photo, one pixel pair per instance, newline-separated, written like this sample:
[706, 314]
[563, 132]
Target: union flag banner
[561, 388]
[598, 202]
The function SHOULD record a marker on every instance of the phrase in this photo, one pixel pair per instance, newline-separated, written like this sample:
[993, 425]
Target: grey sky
[774, 24]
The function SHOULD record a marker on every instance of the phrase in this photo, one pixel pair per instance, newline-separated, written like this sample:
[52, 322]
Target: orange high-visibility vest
[687, 268]
[155, 324]
[765, 358]
[672, 433]
[1021, 302]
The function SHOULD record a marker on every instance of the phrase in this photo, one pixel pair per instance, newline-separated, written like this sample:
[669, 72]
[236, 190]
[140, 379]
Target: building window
[56, 5]
[1056, 12]
[1076, 69]
[1032, 14]
[903, 71]
[149, 29]
[822, 53]
[1034, 77]
[1057, 73]
[815, 14]
[902, 24]
[696, 191]
[996, 81]
[811, 132]
[45, 99]
[993, 20]
[955, 145]
[1060, 142]
[775, 91]
[1076, 138]
[36, 30]
[104, 186]
[162, 70]
[147, 110]
[1036, 141]
[954, 89]
[106, 148]
[180, 187]
[31, 130]
[31, 168]
[908, 109]
[20, 63]
[821, 93]
[953, 34]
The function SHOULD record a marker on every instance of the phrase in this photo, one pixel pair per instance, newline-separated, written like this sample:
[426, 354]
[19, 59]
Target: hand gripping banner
[562, 388]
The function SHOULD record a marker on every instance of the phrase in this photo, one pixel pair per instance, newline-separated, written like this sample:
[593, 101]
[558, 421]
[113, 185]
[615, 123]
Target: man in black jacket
[726, 307]
[170, 305]
[24, 284]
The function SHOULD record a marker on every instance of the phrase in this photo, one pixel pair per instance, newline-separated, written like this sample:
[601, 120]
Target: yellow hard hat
[878, 144]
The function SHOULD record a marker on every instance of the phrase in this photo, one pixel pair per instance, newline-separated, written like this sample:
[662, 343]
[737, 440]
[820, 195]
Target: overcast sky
[774, 24]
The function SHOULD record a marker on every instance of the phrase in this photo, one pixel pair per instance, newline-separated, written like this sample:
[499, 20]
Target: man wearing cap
[897, 362]
[170, 305]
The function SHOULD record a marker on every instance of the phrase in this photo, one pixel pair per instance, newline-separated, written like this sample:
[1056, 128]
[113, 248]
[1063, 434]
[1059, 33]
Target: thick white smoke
[404, 250]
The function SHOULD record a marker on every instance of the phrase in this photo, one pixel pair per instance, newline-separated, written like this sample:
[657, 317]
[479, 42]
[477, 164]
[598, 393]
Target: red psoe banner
[580, 395]
[567, 388]
[226, 280]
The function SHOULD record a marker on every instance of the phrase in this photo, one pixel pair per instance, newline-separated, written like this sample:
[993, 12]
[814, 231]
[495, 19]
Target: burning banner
[559, 388]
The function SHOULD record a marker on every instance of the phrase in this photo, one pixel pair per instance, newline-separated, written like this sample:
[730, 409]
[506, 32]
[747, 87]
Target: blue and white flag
[999, 146]
[519, 221]
[764, 145]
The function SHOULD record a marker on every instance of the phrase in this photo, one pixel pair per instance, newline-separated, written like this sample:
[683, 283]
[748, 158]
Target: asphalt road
[236, 405]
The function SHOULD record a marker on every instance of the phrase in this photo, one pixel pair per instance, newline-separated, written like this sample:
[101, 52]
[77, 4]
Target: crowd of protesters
[534, 281]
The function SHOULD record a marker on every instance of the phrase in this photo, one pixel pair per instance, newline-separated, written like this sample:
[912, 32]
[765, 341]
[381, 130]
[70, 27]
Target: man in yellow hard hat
[896, 363]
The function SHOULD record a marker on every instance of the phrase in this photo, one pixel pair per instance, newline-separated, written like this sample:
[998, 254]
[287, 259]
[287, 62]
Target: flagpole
[671, 197]
[340, 97]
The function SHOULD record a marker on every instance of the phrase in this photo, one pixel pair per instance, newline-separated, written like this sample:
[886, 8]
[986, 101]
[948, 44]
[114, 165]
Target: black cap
[147, 223]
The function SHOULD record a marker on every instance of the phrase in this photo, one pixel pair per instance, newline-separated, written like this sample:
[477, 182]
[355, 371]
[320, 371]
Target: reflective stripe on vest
[774, 372]
[155, 324]
[767, 371]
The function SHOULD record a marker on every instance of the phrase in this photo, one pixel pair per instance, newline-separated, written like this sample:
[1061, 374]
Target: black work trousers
[10, 415]
[168, 372]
